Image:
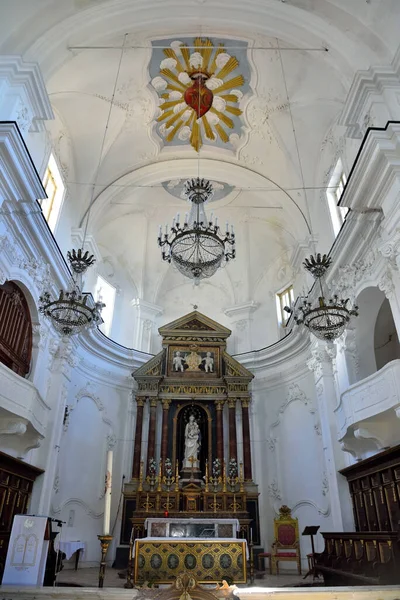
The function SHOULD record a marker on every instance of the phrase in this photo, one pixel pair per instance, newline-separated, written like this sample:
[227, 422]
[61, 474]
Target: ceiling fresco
[201, 84]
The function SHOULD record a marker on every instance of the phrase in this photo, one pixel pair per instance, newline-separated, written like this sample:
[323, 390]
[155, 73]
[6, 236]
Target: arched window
[333, 194]
[15, 329]
[55, 189]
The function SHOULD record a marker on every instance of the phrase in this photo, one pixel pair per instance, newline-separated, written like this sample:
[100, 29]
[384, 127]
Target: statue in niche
[208, 363]
[179, 362]
[192, 443]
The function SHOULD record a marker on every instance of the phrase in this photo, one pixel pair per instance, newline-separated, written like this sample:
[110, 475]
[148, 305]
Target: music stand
[311, 530]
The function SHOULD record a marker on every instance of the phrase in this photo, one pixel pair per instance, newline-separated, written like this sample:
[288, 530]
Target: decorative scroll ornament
[328, 319]
[70, 313]
[199, 92]
[197, 248]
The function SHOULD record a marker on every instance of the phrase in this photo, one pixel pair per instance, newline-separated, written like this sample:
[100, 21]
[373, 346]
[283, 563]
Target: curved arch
[213, 169]
[294, 25]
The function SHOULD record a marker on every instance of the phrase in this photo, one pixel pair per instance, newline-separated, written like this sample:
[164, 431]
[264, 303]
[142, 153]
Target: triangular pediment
[192, 487]
[194, 323]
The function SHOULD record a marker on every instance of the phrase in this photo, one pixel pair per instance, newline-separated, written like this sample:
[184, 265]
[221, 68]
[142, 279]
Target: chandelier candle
[107, 495]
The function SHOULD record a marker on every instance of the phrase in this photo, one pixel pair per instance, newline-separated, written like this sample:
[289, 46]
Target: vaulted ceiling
[110, 65]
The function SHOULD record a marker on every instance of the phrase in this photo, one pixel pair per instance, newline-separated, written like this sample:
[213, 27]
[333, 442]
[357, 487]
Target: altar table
[70, 548]
[209, 560]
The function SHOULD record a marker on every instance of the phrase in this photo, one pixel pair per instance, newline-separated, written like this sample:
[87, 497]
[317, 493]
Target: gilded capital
[166, 403]
[219, 404]
[140, 401]
[245, 402]
[232, 402]
[153, 402]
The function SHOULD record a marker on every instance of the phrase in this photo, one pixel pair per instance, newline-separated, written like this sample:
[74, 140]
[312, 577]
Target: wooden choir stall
[194, 489]
[371, 554]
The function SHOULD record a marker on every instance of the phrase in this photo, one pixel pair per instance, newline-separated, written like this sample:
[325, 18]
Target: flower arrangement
[216, 468]
[168, 468]
[152, 467]
[233, 469]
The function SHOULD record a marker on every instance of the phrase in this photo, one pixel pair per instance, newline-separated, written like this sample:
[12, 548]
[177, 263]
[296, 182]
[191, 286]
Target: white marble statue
[192, 443]
[208, 363]
[178, 362]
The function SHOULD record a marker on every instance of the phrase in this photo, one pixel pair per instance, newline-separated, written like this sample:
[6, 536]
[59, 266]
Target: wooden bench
[359, 558]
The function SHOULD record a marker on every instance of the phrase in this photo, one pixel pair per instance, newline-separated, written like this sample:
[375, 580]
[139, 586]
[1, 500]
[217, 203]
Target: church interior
[200, 297]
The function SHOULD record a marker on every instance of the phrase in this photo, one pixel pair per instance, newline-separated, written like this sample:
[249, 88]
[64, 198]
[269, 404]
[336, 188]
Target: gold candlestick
[159, 476]
[177, 476]
[147, 502]
[241, 479]
[104, 542]
[224, 478]
[140, 487]
[206, 478]
[234, 503]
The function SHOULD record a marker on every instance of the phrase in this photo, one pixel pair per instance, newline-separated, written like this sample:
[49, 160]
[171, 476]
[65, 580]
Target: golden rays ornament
[199, 92]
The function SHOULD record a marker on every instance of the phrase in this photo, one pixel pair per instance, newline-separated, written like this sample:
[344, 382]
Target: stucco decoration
[200, 86]
[175, 187]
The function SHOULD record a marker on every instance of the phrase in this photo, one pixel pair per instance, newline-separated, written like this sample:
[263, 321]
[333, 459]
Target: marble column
[247, 471]
[138, 438]
[232, 429]
[164, 431]
[219, 407]
[151, 444]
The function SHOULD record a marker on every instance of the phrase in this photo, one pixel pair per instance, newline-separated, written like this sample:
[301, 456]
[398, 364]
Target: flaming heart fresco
[198, 86]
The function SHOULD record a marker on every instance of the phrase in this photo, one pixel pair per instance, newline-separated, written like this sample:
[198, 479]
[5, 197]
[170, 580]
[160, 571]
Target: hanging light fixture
[197, 247]
[328, 319]
[70, 313]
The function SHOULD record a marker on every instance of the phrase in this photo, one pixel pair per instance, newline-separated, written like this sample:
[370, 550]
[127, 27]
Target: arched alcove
[15, 329]
[386, 341]
[376, 336]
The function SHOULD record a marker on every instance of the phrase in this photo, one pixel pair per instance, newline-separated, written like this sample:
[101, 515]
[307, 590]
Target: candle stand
[104, 542]
[251, 561]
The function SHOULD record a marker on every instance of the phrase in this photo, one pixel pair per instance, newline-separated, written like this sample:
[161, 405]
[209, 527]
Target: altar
[191, 503]
[206, 548]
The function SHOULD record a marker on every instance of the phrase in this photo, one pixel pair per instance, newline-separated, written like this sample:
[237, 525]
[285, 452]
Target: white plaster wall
[288, 454]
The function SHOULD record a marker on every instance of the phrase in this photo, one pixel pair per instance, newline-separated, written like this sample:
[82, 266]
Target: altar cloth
[209, 560]
[70, 547]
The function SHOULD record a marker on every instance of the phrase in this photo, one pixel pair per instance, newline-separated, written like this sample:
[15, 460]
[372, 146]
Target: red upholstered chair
[286, 546]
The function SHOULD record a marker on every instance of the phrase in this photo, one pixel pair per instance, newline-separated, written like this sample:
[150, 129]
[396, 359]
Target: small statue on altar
[209, 363]
[192, 442]
[178, 362]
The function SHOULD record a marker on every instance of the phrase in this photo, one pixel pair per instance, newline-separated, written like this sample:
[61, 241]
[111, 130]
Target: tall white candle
[107, 495]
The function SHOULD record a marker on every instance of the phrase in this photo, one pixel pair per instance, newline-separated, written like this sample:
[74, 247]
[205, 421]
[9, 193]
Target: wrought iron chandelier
[70, 313]
[328, 319]
[197, 247]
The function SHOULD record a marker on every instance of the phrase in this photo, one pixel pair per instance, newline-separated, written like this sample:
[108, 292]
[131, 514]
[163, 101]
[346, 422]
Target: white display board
[27, 551]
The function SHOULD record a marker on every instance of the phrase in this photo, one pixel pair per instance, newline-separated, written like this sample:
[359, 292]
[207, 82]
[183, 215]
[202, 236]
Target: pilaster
[241, 318]
[64, 359]
[146, 317]
[321, 363]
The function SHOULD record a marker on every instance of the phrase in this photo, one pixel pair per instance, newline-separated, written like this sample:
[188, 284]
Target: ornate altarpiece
[193, 374]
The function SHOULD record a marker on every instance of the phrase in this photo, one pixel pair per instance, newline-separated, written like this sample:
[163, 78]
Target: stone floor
[90, 577]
